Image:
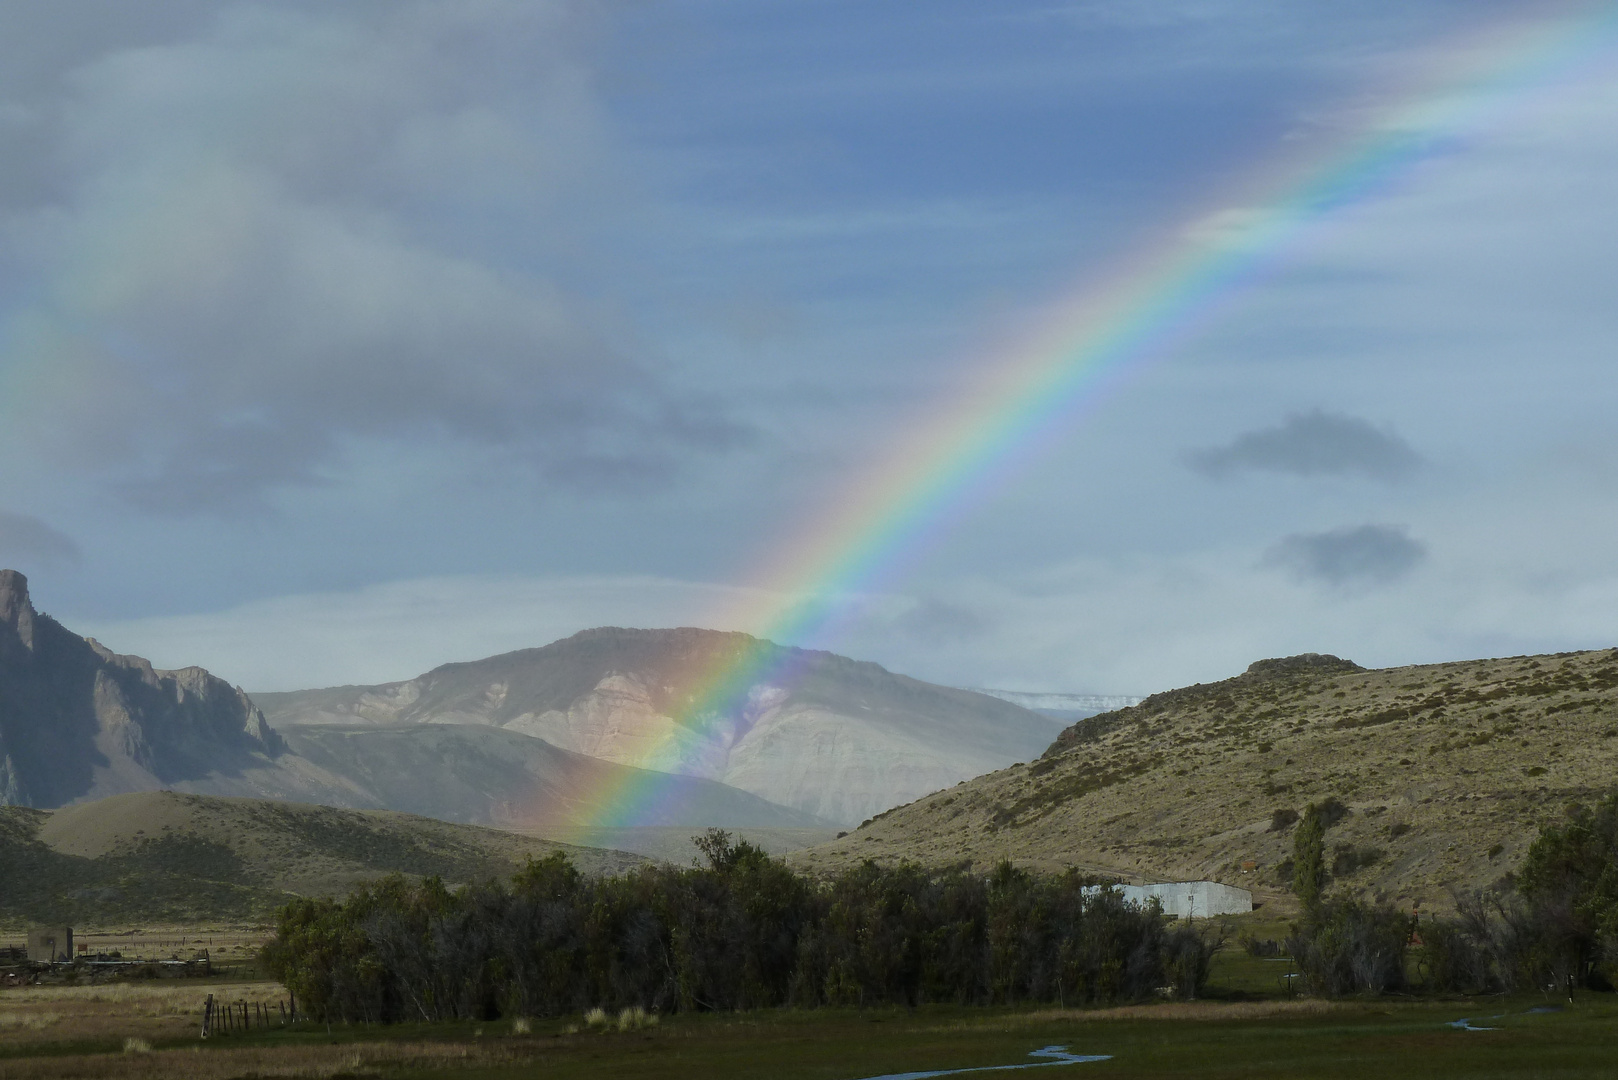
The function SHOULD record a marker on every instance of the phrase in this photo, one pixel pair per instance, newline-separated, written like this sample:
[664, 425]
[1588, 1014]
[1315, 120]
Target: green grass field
[1383, 1040]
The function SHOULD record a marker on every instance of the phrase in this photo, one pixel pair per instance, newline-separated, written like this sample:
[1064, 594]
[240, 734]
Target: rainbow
[1030, 389]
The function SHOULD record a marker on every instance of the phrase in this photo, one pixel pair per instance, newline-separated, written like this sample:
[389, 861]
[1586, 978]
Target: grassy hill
[1444, 773]
[168, 856]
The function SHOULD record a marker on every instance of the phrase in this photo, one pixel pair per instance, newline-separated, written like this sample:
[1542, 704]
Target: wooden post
[207, 1017]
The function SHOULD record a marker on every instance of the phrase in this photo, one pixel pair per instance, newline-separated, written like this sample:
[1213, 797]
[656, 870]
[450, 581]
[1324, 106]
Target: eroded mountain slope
[1445, 771]
[491, 776]
[836, 738]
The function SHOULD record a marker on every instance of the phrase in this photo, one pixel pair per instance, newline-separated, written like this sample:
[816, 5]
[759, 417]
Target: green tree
[1309, 859]
[1570, 878]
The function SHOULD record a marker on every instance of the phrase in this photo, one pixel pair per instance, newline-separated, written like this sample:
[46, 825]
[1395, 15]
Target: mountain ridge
[839, 739]
[79, 722]
[1443, 773]
[77, 718]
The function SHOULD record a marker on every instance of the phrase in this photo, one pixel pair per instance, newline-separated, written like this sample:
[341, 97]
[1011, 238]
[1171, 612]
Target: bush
[1282, 818]
[1348, 859]
[1332, 811]
[1254, 947]
[1347, 947]
[1457, 958]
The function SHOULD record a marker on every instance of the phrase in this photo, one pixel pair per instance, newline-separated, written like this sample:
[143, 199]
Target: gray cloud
[937, 622]
[251, 253]
[1356, 555]
[1315, 443]
[28, 541]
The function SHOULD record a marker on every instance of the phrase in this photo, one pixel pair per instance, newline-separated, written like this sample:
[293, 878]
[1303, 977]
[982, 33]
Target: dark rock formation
[77, 720]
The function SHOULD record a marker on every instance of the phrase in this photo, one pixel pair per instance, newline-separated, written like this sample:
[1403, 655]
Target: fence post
[207, 1017]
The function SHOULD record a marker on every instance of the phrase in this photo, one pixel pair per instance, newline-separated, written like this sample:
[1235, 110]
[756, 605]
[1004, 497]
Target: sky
[338, 341]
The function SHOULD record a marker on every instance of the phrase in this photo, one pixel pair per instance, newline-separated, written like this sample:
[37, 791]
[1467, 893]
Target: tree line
[740, 930]
[1552, 924]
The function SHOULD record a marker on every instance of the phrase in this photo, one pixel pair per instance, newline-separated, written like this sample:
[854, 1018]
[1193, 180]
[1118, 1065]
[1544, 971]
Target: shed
[1189, 899]
[50, 944]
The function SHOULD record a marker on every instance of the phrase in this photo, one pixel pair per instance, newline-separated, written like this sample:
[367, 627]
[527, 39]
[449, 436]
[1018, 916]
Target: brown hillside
[243, 853]
[1446, 771]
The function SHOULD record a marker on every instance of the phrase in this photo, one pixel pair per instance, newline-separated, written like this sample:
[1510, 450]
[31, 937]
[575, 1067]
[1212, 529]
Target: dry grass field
[155, 1011]
[1447, 772]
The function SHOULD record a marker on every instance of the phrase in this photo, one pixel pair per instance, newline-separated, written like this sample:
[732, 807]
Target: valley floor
[1247, 1029]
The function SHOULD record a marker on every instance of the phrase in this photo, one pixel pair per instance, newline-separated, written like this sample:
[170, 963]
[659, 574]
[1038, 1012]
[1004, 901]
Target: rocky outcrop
[837, 738]
[79, 721]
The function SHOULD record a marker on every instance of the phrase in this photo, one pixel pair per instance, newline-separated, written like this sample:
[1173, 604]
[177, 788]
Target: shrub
[1348, 859]
[1266, 948]
[1282, 818]
[1347, 947]
[1332, 811]
[1455, 958]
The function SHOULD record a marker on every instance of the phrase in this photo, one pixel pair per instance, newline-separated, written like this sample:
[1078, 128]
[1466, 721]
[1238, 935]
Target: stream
[1465, 1022]
[1057, 1054]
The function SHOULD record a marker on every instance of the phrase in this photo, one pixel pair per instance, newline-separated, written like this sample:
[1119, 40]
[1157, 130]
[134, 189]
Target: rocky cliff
[837, 738]
[79, 721]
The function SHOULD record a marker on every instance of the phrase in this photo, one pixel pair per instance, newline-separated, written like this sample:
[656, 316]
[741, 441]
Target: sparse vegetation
[1461, 757]
[170, 857]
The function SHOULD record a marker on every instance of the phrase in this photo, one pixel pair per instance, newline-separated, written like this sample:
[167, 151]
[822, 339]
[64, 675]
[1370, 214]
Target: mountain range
[836, 739]
[589, 731]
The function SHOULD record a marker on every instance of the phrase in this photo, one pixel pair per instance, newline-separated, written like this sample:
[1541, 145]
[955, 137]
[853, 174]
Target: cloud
[27, 540]
[283, 231]
[1316, 443]
[1357, 555]
[931, 621]
[399, 629]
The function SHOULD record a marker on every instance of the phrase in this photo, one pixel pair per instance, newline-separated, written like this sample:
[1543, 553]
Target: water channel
[1058, 1055]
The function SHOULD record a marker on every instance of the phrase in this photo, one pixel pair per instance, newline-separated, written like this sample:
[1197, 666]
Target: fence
[220, 1017]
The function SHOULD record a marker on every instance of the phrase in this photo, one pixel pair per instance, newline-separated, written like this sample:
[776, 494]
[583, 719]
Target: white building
[1189, 899]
